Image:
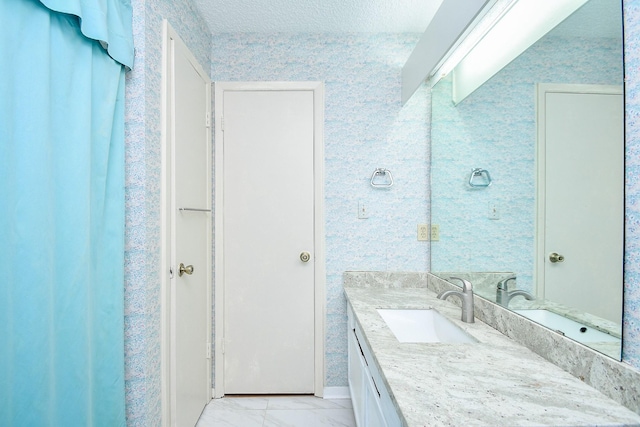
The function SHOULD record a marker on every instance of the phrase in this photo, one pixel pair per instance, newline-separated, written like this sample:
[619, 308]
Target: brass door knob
[305, 256]
[185, 270]
[555, 257]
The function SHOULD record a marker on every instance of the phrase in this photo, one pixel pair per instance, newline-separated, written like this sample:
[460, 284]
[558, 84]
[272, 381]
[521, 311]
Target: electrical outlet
[363, 213]
[435, 232]
[423, 232]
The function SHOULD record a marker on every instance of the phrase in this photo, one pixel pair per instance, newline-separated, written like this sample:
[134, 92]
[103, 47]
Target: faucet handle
[504, 283]
[466, 285]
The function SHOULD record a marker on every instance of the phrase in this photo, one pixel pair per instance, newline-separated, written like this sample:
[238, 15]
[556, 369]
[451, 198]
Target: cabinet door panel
[374, 416]
[356, 379]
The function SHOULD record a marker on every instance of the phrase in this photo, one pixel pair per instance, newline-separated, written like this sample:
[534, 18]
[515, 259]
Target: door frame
[167, 225]
[319, 247]
[539, 260]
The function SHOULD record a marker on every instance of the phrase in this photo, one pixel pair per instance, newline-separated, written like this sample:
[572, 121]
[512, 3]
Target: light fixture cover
[449, 22]
[521, 26]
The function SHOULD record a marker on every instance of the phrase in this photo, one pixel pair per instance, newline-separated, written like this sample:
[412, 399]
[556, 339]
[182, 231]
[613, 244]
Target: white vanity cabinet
[372, 405]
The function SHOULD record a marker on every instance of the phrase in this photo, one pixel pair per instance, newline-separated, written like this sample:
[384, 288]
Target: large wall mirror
[527, 180]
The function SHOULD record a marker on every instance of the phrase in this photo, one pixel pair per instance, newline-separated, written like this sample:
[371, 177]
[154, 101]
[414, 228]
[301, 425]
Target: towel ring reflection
[480, 178]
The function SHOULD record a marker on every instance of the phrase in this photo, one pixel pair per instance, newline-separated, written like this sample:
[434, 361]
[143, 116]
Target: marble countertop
[495, 382]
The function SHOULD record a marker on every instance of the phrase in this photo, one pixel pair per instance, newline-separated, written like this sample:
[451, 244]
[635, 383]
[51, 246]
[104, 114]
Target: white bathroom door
[268, 221]
[583, 203]
[189, 168]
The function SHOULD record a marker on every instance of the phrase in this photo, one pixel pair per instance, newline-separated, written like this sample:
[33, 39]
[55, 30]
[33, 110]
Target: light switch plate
[363, 213]
[493, 213]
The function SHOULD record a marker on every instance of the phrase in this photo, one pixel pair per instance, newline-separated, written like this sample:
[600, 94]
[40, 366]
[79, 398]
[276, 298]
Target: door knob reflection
[555, 257]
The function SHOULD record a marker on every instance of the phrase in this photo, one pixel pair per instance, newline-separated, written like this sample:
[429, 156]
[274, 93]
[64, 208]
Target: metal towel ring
[382, 172]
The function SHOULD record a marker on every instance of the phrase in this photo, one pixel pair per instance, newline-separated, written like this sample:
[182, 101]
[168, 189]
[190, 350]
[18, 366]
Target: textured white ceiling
[317, 16]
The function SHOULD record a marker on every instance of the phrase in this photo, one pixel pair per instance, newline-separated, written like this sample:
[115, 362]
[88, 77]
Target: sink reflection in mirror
[423, 326]
[580, 332]
[502, 229]
[600, 334]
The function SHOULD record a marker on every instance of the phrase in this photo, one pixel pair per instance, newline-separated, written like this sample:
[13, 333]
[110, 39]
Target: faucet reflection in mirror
[496, 127]
[504, 295]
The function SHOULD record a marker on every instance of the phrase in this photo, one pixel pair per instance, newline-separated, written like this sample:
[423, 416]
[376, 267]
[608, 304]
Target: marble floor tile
[212, 417]
[303, 402]
[240, 403]
[309, 418]
[277, 411]
[343, 403]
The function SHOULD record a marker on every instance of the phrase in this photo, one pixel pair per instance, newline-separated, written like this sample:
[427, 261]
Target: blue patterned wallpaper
[495, 128]
[365, 128]
[142, 239]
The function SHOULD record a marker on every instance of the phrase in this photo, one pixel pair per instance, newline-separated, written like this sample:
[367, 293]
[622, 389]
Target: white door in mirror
[583, 172]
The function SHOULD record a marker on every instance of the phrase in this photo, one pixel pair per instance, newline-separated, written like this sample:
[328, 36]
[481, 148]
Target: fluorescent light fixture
[451, 20]
[523, 24]
[485, 20]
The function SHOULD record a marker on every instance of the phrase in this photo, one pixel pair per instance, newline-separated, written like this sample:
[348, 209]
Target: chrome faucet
[466, 297]
[504, 295]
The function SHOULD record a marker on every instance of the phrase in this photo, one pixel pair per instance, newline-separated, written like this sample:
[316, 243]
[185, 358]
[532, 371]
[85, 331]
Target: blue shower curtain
[62, 67]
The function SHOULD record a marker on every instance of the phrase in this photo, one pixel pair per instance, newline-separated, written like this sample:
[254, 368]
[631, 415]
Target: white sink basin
[423, 326]
[568, 327]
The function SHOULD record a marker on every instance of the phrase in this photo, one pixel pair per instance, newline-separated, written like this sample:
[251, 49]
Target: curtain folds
[107, 21]
[61, 217]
